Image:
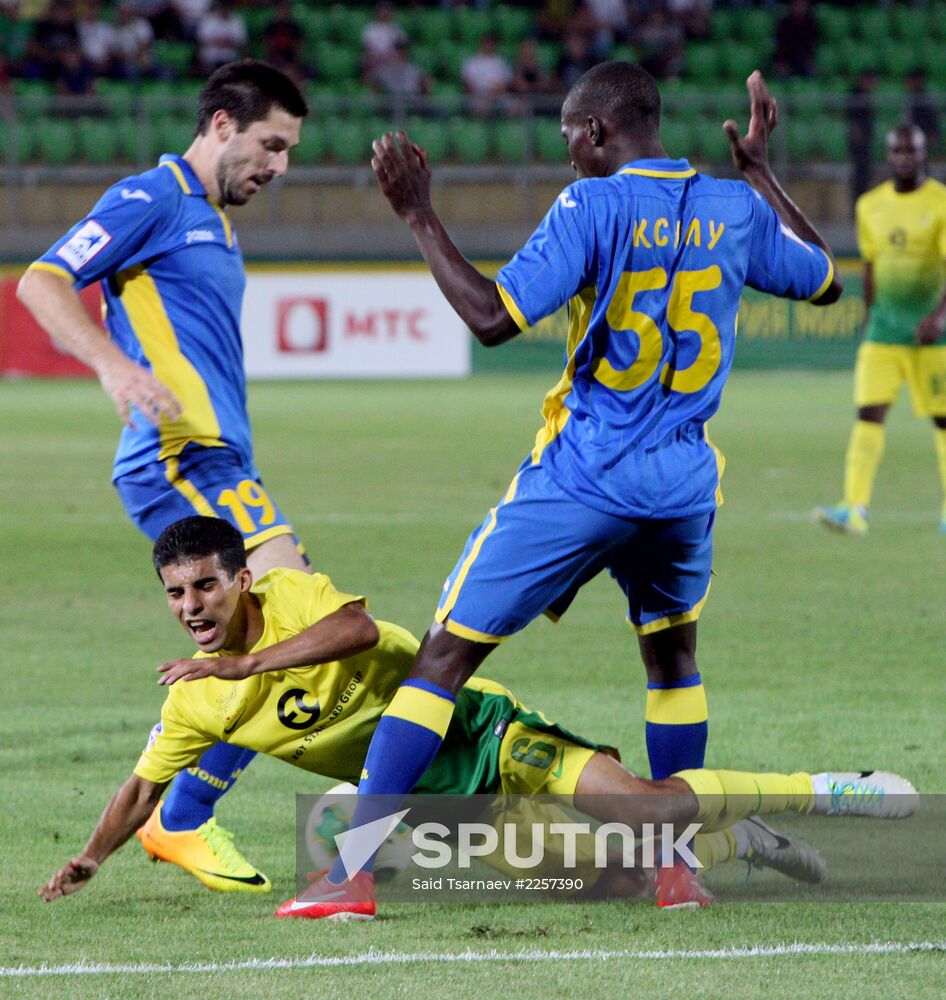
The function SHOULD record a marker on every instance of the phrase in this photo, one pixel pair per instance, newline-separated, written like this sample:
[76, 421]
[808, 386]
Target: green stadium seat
[549, 144]
[337, 64]
[173, 133]
[32, 97]
[512, 23]
[834, 23]
[97, 141]
[313, 145]
[177, 57]
[548, 54]
[118, 96]
[159, 97]
[135, 144]
[449, 97]
[801, 140]
[676, 138]
[469, 140]
[856, 56]
[512, 142]
[256, 18]
[830, 62]
[894, 58]
[429, 26]
[350, 142]
[754, 24]
[426, 56]
[911, 24]
[16, 144]
[470, 24]
[431, 135]
[450, 58]
[724, 23]
[871, 25]
[736, 60]
[702, 63]
[54, 142]
[832, 142]
[710, 142]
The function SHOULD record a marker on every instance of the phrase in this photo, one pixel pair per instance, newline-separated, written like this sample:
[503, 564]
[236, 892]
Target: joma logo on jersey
[293, 711]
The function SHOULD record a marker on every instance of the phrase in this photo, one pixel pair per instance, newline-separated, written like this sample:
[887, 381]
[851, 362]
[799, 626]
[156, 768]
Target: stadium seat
[431, 135]
[16, 144]
[336, 63]
[470, 24]
[32, 97]
[911, 24]
[512, 23]
[856, 56]
[832, 142]
[449, 97]
[176, 57]
[350, 142]
[135, 144]
[710, 142]
[675, 137]
[754, 24]
[834, 23]
[429, 26]
[736, 60]
[97, 141]
[173, 133]
[549, 145]
[118, 96]
[512, 141]
[313, 145]
[702, 60]
[159, 97]
[54, 142]
[871, 25]
[469, 140]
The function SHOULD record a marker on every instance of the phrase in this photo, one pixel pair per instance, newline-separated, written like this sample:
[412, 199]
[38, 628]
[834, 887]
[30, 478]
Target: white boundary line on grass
[373, 957]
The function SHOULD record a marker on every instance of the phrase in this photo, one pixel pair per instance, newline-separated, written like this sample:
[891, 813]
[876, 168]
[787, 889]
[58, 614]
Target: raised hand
[403, 173]
[752, 149]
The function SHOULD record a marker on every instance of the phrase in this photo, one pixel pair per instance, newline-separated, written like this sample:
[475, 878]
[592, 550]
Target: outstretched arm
[128, 810]
[346, 632]
[750, 153]
[57, 308]
[404, 177]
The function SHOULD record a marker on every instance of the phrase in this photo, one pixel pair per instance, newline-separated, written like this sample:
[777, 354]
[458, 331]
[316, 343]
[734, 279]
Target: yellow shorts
[881, 370]
[537, 761]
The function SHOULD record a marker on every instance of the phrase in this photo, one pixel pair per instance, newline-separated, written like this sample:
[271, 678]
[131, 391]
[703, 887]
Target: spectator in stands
[574, 61]
[190, 12]
[134, 44]
[75, 76]
[398, 75]
[529, 77]
[693, 16]
[922, 110]
[486, 77]
[54, 35]
[608, 23]
[660, 42]
[97, 38]
[284, 45]
[859, 112]
[6, 74]
[221, 37]
[380, 37]
[796, 38]
[163, 17]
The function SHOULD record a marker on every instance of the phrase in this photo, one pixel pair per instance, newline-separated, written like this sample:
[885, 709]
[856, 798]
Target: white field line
[373, 957]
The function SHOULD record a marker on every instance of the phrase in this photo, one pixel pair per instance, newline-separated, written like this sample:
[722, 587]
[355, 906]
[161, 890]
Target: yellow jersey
[320, 718]
[903, 235]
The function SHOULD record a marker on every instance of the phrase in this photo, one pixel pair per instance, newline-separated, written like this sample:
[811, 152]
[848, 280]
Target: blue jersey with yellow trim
[652, 262]
[173, 280]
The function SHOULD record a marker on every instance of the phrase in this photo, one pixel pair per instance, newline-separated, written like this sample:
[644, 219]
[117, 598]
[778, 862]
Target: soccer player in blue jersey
[171, 271]
[651, 258]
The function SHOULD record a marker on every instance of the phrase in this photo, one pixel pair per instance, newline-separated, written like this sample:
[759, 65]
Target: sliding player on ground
[290, 666]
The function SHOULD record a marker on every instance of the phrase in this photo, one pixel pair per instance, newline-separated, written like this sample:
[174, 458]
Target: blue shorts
[539, 546]
[215, 482]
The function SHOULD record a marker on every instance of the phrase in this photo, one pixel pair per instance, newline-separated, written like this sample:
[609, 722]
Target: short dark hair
[621, 92]
[197, 537]
[247, 90]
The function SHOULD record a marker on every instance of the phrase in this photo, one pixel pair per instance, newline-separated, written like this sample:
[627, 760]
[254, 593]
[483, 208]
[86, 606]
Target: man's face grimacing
[252, 158]
[205, 599]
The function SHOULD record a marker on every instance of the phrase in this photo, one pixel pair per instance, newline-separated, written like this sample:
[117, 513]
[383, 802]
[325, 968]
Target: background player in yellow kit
[290, 666]
[901, 233]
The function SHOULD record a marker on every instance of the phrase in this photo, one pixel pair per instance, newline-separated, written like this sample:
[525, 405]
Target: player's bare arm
[750, 153]
[403, 174]
[57, 308]
[346, 632]
[128, 810]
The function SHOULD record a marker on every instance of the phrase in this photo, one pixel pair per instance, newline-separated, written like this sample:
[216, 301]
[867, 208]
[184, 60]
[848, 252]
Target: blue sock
[193, 794]
[406, 740]
[676, 726]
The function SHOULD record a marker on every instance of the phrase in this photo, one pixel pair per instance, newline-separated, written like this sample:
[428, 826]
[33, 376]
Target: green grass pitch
[817, 651]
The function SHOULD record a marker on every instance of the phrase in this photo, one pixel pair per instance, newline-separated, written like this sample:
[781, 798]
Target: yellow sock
[865, 449]
[712, 849]
[725, 797]
[939, 437]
